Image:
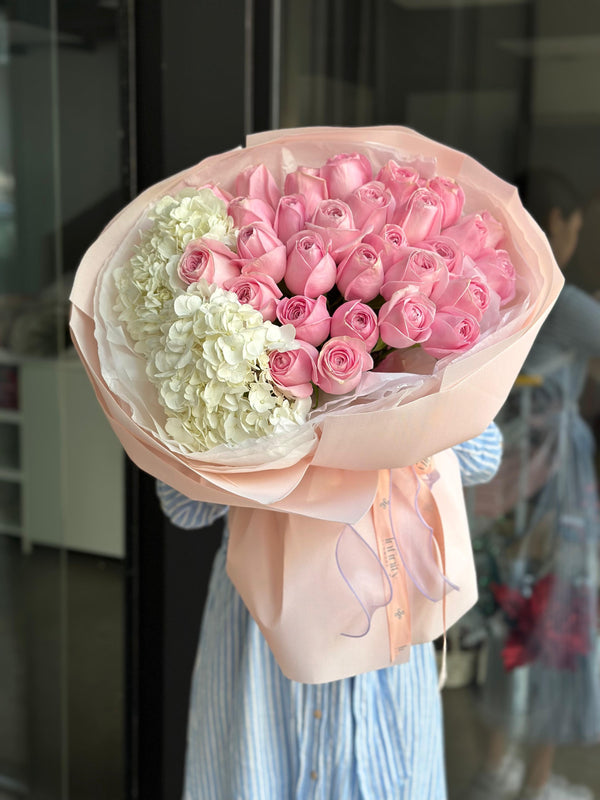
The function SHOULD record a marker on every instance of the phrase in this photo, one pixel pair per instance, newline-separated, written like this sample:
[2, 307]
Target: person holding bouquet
[543, 682]
[302, 330]
[253, 733]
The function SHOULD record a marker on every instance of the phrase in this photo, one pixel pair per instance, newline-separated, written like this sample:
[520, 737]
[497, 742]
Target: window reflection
[61, 518]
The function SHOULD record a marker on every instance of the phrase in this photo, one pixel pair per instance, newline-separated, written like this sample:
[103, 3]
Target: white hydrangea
[144, 285]
[212, 372]
[206, 353]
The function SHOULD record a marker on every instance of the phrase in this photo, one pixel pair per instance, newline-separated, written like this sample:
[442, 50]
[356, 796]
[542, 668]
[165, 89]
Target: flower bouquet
[294, 329]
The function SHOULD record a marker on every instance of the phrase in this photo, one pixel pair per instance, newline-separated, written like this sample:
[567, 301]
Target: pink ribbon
[410, 543]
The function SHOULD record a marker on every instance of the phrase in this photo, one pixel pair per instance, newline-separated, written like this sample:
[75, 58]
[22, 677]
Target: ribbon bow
[410, 548]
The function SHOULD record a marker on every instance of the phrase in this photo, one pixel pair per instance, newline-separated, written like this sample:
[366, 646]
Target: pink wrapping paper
[284, 567]
[333, 478]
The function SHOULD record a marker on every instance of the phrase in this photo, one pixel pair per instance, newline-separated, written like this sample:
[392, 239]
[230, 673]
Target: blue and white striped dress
[255, 735]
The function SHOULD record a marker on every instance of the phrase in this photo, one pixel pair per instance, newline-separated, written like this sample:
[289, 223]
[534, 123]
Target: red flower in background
[550, 625]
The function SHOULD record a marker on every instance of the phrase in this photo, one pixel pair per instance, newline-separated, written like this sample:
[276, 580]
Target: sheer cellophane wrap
[300, 489]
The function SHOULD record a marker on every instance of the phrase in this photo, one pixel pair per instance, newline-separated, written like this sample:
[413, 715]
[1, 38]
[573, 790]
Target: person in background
[253, 733]
[542, 688]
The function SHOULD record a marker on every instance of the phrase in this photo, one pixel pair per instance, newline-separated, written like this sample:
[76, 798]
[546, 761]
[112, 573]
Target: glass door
[63, 173]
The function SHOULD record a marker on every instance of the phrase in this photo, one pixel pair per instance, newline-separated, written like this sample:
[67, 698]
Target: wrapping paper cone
[285, 568]
[325, 474]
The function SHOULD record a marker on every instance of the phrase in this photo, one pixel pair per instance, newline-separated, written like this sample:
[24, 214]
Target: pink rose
[246, 210]
[262, 251]
[360, 274]
[290, 216]
[272, 264]
[464, 294]
[452, 197]
[208, 259]
[499, 272]
[447, 250]
[345, 172]
[406, 318]
[401, 180]
[294, 371]
[495, 229]
[421, 218]
[310, 269]
[478, 295]
[390, 243]
[333, 214]
[476, 233]
[257, 181]
[358, 320]
[258, 291]
[226, 197]
[422, 268]
[308, 315]
[306, 181]
[341, 363]
[256, 239]
[453, 331]
[333, 221]
[372, 206]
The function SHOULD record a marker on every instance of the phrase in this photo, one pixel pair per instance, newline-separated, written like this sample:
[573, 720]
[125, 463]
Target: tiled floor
[466, 738]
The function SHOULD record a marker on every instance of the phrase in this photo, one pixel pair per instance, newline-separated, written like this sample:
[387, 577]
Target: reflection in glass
[61, 471]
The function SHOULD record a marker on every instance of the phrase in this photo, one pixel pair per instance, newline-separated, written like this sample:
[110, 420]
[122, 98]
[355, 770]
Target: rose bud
[333, 221]
[308, 315]
[401, 180]
[208, 259]
[310, 269]
[498, 270]
[257, 181]
[422, 216]
[262, 251]
[306, 181]
[290, 216]
[360, 274]
[226, 197]
[258, 291]
[422, 268]
[476, 233]
[452, 197]
[447, 249]
[333, 214]
[341, 363]
[452, 332]
[272, 264]
[256, 239]
[246, 210]
[406, 318]
[465, 294]
[390, 243]
[372, 206]
[358, 320]
[345, 172]
[294, 371]
[495, 230]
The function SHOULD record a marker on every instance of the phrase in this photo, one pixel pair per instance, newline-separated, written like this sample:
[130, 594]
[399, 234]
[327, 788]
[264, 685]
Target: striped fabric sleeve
[479, 458]
[186, 513]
